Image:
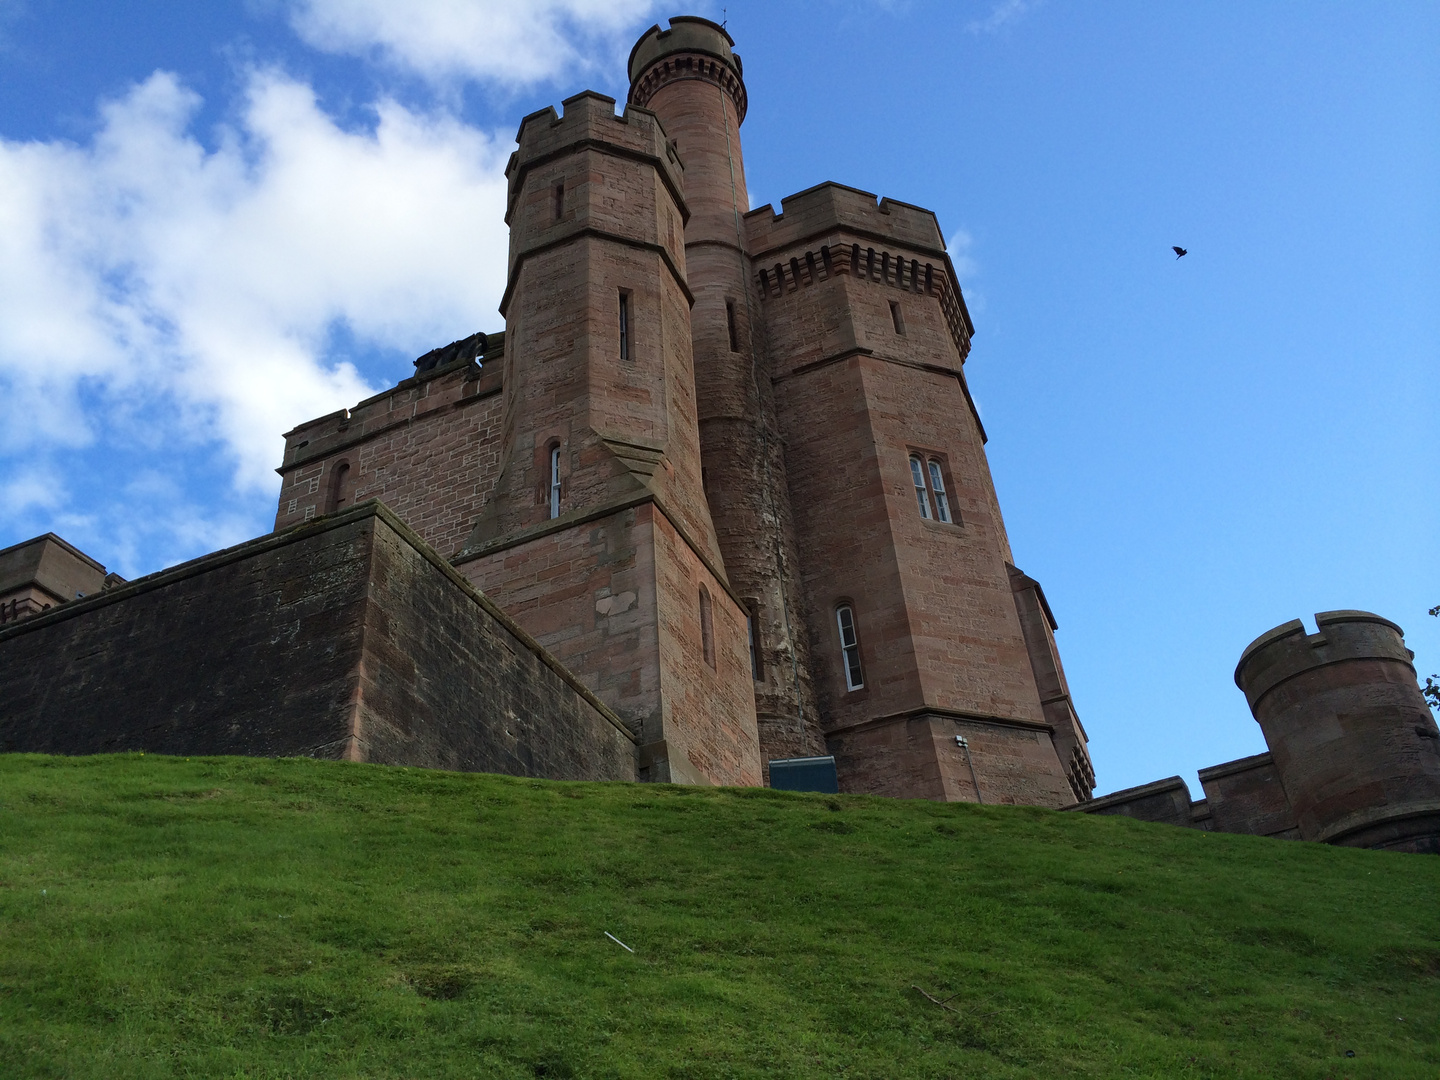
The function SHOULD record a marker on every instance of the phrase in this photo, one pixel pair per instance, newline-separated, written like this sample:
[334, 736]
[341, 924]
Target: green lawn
[233, 917]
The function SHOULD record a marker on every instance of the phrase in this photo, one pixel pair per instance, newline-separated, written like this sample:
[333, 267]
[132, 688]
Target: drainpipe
[963, 745]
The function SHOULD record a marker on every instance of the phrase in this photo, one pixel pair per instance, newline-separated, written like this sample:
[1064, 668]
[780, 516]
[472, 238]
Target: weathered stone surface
[1352, 739]
[1245, 796]
[428, 449]
[343, 638]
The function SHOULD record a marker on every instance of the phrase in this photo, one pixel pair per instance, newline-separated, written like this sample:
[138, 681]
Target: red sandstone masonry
[613, 583]
[428, 449]
[803, 421]
[690, 77]
[938, 624]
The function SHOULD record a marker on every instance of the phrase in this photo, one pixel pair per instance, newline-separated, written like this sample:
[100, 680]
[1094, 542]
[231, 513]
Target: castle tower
[933, 663]
[596, 536]
[691, 77]
[1352, 739]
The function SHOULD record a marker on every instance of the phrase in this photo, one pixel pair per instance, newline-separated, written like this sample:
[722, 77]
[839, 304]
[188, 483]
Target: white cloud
[1005, 11]
[149, 282]
[35, 487]
[959, 245]
[509, 42]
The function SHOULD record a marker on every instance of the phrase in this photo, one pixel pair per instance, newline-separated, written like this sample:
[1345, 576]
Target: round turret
[693, 48]
[1353, 741]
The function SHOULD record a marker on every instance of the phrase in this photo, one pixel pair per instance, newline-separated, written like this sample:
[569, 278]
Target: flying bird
[1178, 250]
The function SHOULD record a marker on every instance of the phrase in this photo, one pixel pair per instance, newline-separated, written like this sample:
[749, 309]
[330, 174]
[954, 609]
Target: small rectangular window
[624, 326]
[555, 481]
[937, 488]
[917, 475]
[896, 318]
[559, 201]
[849, 648]
[730, 323]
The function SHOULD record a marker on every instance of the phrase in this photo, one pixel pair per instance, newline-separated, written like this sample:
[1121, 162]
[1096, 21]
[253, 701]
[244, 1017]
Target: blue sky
[218, 220]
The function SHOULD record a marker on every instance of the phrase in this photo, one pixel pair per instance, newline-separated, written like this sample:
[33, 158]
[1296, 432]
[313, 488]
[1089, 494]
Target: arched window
[707, 628]
[917, 474]
[555, 480]
[937, 488]
[342, 487]
[849, 648]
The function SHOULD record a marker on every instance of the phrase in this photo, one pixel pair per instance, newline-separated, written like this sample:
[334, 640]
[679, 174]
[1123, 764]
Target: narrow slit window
[917, 475]
[730, 325]
[707, 628]
[937, 488]
[624, 326]
[559, 201]
[849, 648]
[896, 317]
[555, 481]
[752, 633]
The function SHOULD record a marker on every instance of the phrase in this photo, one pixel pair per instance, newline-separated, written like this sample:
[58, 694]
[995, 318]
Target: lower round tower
[1354, 743]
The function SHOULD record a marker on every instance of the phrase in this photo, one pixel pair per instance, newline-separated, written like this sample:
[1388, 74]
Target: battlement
[589, 121]
[463, 377]
[831, 207]
[693, 48]
[1286, 651]
[830, 229]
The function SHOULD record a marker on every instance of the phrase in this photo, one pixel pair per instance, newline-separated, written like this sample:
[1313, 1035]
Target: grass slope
[163, 917]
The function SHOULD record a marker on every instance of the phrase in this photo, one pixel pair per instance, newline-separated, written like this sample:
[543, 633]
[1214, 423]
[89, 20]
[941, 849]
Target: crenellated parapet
[462, 377]
[828, 207]
[833, 229]
[1353, 741]
[560, 187]
[693, 48]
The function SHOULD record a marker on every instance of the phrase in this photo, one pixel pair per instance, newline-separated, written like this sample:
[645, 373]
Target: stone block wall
[1245, 796]
[428, 448]
[346, 637]
[917, 755]
[1165, 802]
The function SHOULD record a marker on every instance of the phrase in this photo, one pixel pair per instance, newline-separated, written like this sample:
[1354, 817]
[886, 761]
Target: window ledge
[943, 526]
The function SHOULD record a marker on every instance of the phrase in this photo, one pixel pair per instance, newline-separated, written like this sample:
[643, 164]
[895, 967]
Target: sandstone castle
[722, 463]
[717, 496]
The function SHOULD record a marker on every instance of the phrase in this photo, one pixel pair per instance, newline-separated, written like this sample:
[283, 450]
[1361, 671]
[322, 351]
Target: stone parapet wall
[1165, 802]
[345, 638]
[1245, 796]
[428, 448]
